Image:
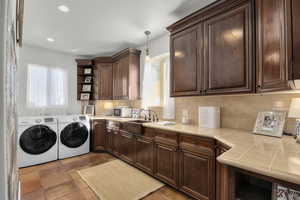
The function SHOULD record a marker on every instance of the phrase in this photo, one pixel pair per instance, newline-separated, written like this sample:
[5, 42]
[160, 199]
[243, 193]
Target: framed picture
[88, 79]
[89, 110]
[87, 71]
[270, 123]
[86, 88]
[84, 96]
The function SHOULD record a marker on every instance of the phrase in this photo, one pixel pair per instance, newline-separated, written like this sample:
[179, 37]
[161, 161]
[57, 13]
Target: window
[151, 84]
[46, 87]
[156, 86]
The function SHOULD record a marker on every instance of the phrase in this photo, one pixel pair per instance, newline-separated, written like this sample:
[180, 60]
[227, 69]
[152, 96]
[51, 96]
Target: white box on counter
[209, 117]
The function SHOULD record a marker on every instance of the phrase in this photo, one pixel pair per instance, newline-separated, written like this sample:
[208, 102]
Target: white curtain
[150, 85]
[168, 102]
[46, 87]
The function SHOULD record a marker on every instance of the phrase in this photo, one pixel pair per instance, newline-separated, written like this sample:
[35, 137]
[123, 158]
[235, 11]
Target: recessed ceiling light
[50, 40]
[63, 8]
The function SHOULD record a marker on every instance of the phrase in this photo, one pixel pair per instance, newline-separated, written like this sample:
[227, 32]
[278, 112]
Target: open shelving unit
[85, 78]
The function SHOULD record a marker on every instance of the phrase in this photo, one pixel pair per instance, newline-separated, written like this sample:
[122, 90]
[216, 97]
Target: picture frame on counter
[86, 88]
[88, 79]
[87, 71]
[84, 96]
[89, 110]
[270, 123]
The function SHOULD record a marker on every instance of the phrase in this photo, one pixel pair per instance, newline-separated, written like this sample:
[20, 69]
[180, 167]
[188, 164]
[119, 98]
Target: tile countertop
[275, 157]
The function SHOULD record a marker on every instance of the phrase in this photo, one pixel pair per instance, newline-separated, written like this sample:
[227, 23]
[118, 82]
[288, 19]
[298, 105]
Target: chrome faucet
[150, 115]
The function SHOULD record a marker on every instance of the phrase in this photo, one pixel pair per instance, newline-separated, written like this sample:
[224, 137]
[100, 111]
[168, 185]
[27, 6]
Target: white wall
[3, 185]
[40, 56]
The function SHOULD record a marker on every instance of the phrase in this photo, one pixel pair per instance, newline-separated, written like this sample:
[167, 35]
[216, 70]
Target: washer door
[74, 135]
[37, 139]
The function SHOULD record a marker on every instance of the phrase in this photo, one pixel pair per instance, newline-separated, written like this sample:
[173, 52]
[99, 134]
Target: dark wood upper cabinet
[126, 75]
[104, 81]
[228, 55]
[118, 77]
[98, 139]
[124, 78]
[116, 80]
[185, 63]
[295, 16]
[237, 46]
[272, 46]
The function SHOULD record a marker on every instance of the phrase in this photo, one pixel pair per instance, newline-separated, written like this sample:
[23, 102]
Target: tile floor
[58, 180]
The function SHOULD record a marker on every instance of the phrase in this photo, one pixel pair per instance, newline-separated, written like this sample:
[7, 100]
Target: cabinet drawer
[197, 144]
[166, 137]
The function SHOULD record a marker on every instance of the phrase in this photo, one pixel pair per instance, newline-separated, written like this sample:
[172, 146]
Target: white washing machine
[37, 140]
[74, 135]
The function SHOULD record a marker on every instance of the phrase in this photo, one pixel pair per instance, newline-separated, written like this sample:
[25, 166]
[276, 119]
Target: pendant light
[148, 58]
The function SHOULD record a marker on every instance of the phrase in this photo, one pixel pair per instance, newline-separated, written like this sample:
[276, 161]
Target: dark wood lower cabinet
[144, 154]
[223, 188]
[126, 147]
[196, 175]
[115, 139]
[109, 140]
[166, 163]
[98, 135]
[185, 162]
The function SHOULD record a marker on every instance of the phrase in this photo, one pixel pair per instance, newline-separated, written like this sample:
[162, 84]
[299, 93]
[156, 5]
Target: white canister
[209, 117]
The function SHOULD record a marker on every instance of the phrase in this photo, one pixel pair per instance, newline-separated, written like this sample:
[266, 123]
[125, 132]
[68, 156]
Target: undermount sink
[134, 126]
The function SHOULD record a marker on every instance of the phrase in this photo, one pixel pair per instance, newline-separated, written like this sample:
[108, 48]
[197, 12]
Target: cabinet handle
[258, 86]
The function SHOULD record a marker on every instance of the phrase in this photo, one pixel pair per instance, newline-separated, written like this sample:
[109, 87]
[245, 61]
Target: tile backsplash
[237, 111]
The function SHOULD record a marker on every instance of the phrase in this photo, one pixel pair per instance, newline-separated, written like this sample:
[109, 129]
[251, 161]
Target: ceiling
[101, 27]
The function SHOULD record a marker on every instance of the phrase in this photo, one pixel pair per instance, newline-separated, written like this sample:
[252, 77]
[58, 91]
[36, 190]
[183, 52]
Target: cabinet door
[166, 163]
[106, 81]
[295, 8]
[124, 77]
[228, 56]
[185, 65]
[196, 175]
[108, 140]
[126, 147]
[115, 143]
[98, 135]
[222, 180]
[116, 80]
[272, 60]
[144, 154]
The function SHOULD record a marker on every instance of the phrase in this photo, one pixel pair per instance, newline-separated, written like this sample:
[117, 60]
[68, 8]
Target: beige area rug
[117, 180]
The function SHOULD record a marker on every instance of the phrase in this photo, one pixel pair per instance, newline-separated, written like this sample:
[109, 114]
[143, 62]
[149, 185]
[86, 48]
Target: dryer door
[74, 135]
[37, 139]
